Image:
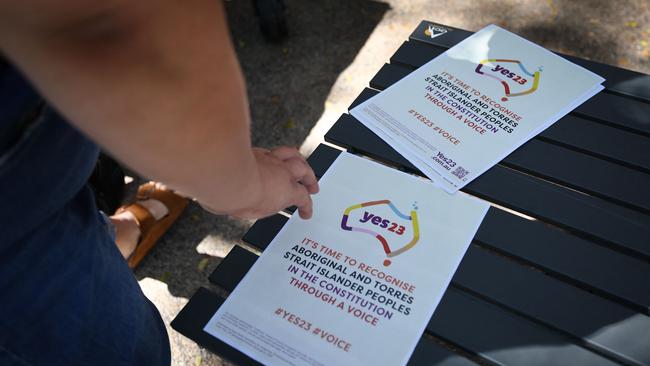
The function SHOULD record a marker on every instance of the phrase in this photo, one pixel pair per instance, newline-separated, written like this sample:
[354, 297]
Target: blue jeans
[67, 297]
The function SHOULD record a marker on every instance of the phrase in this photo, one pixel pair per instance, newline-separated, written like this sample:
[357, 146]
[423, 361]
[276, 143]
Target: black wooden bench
[567, 282]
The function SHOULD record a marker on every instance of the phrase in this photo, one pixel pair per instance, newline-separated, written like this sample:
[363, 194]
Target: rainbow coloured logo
[504, 76]
[413, 218]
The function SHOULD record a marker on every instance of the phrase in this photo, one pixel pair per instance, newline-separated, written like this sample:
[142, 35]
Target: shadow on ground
[562, 33]
[288, 83]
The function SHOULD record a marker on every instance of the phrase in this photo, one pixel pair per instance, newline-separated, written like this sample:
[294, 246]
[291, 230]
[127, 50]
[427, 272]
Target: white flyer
[467, 109]
[358, 282]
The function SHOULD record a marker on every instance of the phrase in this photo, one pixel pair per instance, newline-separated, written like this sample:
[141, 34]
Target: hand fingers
[286, 152]
[292, 154]
[303, 173]
[302, 201]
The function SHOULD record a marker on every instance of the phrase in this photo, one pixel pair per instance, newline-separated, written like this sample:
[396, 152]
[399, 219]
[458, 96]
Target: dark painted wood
[203, 304]
[480, 328]
[263, 227]
[428, 352]
[584, 172]
[526, 291]
[229, 272]
[388, 75]
[370, 145]
[366, 94]
[602, 325]
[617, 80]
[601, 221]
[263, 231]
[503, 337]
[605, 142]
[613, 142]
[573, 259]
[624, 229]
[577, 261]
[193, 317]
[612, 274]
[617, 111]
[414, 54]
[321, 159]
[616, 145]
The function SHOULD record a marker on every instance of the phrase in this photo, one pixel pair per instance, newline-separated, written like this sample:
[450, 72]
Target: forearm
[158, 86]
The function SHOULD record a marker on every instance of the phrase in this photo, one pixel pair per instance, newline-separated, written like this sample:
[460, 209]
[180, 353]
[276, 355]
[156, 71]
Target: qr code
[460, 172]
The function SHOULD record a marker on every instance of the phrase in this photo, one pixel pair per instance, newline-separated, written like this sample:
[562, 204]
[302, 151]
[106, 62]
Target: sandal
[150, 229]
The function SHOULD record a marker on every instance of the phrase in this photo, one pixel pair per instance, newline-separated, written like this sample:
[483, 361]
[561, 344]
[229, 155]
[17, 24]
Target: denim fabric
[67, 297]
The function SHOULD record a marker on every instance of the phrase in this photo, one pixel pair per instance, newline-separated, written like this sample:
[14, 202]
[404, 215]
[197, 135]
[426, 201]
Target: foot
[127, 230]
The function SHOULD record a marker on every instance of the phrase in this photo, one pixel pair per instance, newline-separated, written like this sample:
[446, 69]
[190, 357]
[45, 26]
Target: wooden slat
[605, 142]
[428, 352]
[608, 273]
[622, 228]
[503, 337]
[617, 80]
[618, 146]
[599, 270]
[203, 304]
[347, 125]
[583, 172]
[321, 158]
[602, 325]
[195, 315]
[388, 75]
[570, 168]
[229, 273]
[414, 54]
[597, 219]
[612, 143]
[483, 329]
[617, 111]
[264, 230]
[366, 94]
[267, 223]
[237, 263]
[573, 311]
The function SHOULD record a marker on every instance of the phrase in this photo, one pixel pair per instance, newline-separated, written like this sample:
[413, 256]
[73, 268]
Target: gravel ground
[298, 89]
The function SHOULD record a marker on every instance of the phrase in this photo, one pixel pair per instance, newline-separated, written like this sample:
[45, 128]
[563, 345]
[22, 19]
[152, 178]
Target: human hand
[287, 180]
